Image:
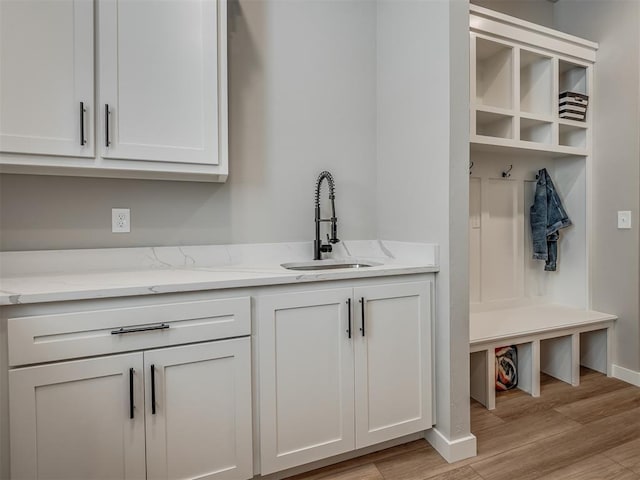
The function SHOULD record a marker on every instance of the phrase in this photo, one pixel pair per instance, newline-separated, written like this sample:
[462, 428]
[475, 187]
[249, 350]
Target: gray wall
[536, 11]
[616, 167]
[302, 99]
[423, 154]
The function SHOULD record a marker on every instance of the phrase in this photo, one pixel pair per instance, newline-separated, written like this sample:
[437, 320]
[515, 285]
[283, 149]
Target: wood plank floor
[590, 432]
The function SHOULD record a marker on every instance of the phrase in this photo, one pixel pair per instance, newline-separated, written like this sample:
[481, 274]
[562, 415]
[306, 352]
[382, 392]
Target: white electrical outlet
[120, 220]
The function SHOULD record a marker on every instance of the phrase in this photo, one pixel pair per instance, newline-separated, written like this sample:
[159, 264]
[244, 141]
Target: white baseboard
[452, 450]
[336, 459]
[626, 375]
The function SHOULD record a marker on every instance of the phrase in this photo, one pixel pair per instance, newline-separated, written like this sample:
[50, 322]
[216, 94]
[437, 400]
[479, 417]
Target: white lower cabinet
[73, 420]
[91, 418]
[201, 428]
[342, 369]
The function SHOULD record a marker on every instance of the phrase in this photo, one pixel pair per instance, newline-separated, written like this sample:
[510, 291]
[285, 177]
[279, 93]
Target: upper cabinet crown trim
[485, 20]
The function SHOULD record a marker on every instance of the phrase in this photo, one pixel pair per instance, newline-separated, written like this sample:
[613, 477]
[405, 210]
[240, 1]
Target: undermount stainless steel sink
[328, 265]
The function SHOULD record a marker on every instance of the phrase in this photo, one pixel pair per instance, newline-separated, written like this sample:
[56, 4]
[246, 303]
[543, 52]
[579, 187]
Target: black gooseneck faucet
[318, 247]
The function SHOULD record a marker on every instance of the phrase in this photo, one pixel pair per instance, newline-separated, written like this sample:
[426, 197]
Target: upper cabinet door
[46, 77]
[160, 69]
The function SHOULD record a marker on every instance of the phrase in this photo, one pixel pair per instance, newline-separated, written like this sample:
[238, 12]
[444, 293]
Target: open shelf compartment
[572, 135]
[491, 124]
[536, 83]
[572, 77]
[537, 131]
[494, 74]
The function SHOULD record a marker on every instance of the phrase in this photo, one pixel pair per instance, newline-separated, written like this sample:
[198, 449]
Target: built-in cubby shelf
[517, 72]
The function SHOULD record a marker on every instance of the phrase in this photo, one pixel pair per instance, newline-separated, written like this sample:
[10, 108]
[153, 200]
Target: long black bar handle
[122, 330]
[107, 140]
[362, 327]
[153, 389]
[83, 140]
[131, 371]
[348, 317]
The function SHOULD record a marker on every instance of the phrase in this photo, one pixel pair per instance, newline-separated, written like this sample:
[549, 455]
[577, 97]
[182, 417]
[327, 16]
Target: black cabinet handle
[107, 141]
[362, 327]
[83, 140]
[153, 389]
[131, 370]
[122, 330]
[349, 318]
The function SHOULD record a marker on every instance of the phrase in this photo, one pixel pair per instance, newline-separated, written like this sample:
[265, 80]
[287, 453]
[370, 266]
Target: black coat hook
[470, 167]
[507, 173]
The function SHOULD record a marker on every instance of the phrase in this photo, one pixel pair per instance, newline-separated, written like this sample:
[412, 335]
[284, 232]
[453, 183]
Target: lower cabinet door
[306, 377]
[78, 420]
[198, 411]
[392, 361]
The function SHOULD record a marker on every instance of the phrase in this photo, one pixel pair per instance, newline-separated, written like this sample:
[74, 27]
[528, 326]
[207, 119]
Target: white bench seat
[554, 339]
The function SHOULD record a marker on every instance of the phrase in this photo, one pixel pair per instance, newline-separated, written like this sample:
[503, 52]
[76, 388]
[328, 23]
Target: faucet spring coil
[325, 174]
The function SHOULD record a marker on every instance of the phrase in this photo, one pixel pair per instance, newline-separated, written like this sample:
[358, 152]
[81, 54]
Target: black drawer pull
[153, 389]
[362, 328]
[123, 330]
[107, 140]
[83, 140]
[131, 370]
[349, 318]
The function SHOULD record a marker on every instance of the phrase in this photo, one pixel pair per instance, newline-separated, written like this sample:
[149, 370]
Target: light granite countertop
[64, 275]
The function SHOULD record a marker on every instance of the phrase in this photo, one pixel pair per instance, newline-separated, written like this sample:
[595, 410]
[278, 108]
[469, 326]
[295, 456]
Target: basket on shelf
[573, 106]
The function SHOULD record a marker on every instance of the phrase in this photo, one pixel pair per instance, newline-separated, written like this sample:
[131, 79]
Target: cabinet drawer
[46, 338]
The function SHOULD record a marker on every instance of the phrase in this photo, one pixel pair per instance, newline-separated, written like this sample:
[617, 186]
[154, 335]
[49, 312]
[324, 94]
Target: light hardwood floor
[590, 432]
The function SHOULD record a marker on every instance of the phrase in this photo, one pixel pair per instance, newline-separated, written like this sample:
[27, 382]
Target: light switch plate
[624, 219]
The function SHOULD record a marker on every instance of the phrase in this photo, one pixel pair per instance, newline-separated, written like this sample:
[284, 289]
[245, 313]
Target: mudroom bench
[553, 339]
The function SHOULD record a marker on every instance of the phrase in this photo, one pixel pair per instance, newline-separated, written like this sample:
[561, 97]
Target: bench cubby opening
[595, 351]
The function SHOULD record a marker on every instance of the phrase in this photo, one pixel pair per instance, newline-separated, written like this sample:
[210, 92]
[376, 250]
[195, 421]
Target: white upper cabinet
[158, 80]
[46, 77]
[160, 106]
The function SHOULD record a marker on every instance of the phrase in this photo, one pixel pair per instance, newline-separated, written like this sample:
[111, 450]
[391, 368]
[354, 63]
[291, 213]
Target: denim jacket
[547, 216]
